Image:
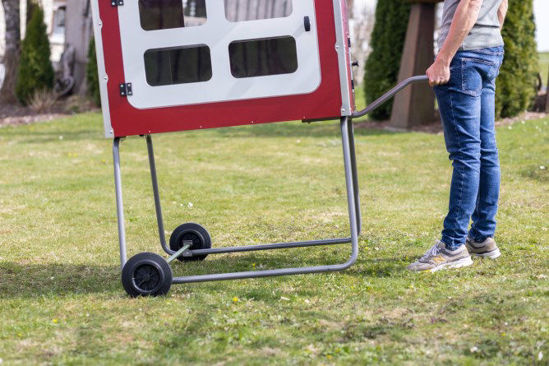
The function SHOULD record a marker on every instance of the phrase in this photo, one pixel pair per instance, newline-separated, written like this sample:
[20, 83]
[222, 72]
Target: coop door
[184, 52]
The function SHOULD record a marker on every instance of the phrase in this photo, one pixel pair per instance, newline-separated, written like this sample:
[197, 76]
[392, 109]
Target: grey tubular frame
[353, 200]
[391, 93]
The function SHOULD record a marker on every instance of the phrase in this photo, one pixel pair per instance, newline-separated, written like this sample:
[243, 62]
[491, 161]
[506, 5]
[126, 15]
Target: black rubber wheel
[147, 274]
[190, 232]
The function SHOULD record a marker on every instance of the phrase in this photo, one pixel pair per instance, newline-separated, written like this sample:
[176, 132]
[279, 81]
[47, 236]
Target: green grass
[544, 66]
[61, 301]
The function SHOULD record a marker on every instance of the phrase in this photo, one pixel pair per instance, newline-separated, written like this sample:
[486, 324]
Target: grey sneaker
[486, 249]
[438, 257]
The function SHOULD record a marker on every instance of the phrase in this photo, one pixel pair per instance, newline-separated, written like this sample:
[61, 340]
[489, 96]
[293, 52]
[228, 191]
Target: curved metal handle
[391, 93]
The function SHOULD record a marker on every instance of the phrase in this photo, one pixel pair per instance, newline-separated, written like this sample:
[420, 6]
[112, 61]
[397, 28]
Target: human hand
[438, 73]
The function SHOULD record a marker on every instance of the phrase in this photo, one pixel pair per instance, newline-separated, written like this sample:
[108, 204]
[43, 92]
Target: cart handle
[391, 93]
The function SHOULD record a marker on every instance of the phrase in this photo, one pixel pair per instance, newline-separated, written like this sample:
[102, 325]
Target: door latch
[307, 24]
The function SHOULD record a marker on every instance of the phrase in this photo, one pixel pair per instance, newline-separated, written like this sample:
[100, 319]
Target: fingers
[432, 81]
[444, 81]
[431, 78]
[437, 81]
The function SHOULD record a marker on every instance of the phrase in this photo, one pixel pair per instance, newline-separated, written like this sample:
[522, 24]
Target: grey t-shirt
[486, 32]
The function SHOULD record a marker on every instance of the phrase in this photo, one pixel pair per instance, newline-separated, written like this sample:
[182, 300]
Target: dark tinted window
[242, 10]
[166, 14]
[167, 66]
[271, 56]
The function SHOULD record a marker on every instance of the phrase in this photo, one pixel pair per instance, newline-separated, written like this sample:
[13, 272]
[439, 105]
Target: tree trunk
[12, 50]
[78, 30]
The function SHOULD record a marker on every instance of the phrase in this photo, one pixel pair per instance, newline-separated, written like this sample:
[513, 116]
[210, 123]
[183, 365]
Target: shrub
[42, 100]
[35, 70]
[92, 77]
[31, 6]
[383, 64]
[516, 84]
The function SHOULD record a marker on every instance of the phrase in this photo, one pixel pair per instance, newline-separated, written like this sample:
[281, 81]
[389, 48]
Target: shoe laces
[433, 252]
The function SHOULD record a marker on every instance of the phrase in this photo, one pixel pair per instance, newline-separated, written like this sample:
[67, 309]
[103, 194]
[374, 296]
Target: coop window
[167, 14]
[243, 10]
[261, 57]
[167, 66]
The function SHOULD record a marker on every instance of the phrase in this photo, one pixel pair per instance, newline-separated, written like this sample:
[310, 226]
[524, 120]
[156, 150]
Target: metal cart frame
[353, 203]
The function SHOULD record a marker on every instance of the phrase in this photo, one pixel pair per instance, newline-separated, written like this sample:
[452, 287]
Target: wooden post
[547, 96]
[415, 106]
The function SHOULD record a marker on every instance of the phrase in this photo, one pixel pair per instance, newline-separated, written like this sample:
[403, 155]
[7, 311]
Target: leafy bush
[516, 83]
[92, 77]
[35, 70]
[383, 64]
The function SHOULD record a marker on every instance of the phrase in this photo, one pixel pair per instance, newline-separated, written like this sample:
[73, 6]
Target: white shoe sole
[464, 262]
[492, 255]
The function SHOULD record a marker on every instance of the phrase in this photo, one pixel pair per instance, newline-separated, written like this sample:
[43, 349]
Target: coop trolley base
[150, 264]
[148, 274]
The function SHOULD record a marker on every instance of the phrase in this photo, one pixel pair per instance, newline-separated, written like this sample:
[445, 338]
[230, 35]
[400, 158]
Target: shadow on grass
[296, 129]
[34, 280]
[364, 267]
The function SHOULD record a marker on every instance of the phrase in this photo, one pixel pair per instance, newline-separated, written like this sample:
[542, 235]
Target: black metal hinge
[115, 3]
[126, 89]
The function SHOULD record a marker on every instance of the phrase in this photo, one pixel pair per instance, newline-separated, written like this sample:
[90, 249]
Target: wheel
[190, 232]
[147, 274]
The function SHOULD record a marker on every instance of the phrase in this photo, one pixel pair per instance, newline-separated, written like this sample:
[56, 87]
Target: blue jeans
[467, 109]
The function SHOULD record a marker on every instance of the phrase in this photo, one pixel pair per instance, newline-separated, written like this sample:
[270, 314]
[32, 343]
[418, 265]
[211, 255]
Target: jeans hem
[451, 247]
[474, 235]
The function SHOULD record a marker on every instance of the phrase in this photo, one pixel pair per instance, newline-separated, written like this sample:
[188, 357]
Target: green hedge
[516, 83]
[35, 70]
[382, 66]
[92, 77]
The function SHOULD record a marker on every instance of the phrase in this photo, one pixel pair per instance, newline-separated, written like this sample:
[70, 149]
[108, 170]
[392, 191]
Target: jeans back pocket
[474, 73]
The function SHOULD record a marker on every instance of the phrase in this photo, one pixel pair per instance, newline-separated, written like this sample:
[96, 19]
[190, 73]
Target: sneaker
[486, 249]
[438, 257]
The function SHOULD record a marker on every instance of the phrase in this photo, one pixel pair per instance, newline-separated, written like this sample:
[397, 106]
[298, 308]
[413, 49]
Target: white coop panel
[185, 52]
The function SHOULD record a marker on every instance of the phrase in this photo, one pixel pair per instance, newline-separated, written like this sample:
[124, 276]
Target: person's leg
[460, 109]
[484, 222]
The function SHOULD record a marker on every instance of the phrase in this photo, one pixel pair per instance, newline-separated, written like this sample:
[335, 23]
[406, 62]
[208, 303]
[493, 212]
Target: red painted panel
[126, 120]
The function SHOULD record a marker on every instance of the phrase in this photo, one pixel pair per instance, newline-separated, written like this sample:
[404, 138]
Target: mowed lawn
[61, 301]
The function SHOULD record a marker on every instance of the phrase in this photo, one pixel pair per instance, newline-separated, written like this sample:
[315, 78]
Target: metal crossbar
[353, 201]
